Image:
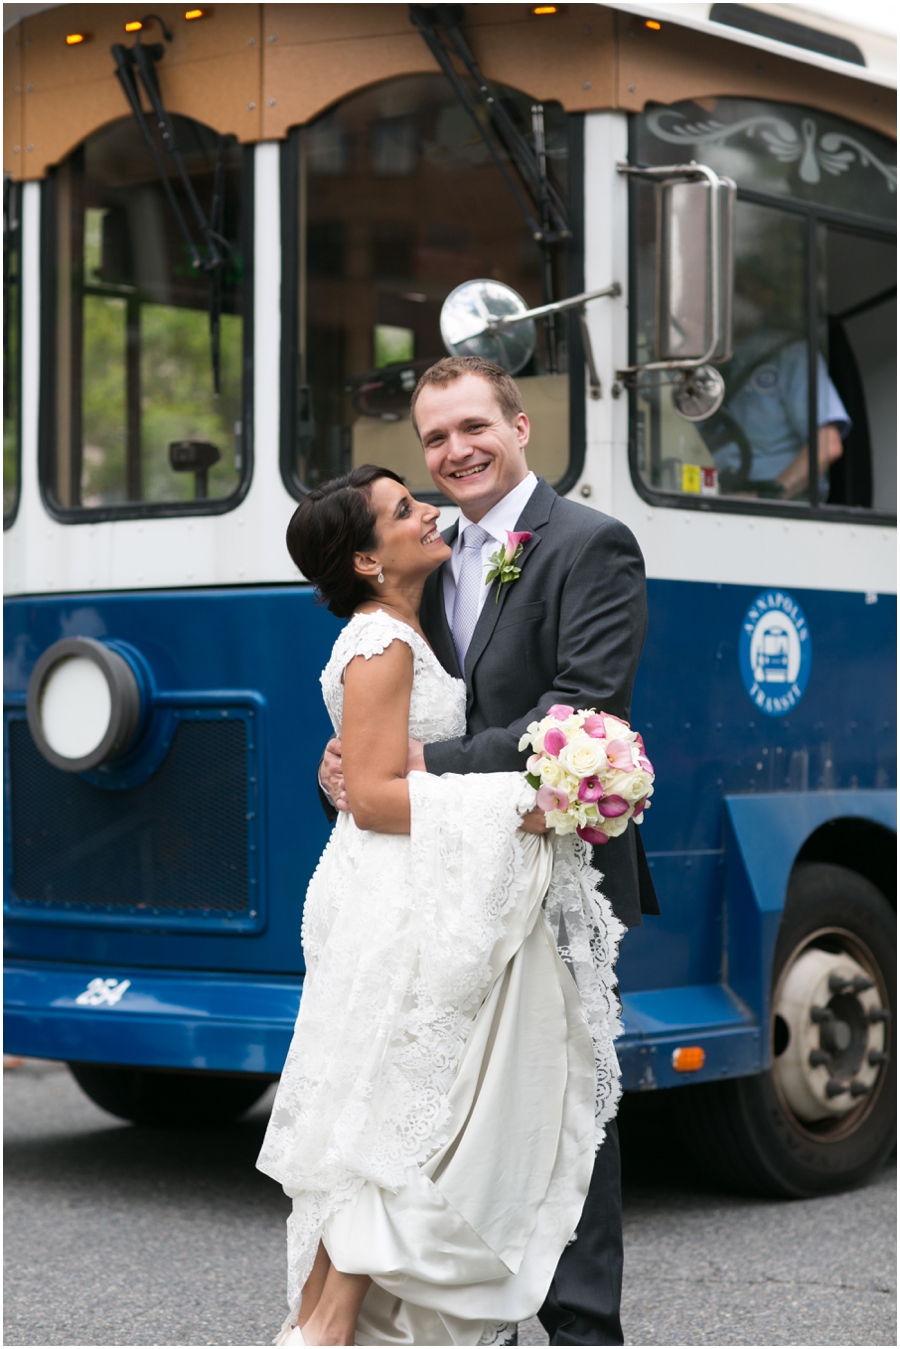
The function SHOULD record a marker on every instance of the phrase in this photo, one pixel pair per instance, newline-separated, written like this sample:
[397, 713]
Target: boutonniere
[504, 561]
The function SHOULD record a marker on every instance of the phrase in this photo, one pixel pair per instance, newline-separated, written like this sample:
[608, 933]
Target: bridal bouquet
[591, 772]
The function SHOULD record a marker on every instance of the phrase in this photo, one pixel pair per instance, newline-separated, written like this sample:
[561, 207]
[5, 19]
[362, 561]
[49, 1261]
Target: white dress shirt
[499, 521]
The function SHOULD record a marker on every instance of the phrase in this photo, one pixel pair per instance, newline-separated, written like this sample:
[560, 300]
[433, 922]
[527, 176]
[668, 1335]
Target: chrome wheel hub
[829, 1033]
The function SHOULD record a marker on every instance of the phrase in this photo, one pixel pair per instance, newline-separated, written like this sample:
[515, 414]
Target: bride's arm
[375, 738]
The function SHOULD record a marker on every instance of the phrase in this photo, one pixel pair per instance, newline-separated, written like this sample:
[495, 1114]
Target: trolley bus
[230, 235]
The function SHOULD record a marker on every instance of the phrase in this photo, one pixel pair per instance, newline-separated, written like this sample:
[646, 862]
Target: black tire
[167, 1100]
[743, 1131]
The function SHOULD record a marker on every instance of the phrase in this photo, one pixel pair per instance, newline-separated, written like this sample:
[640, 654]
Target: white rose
[618, 730]
[554, 774]
[615, 781]
[572, 725]
[634, 787]
[561, 821]
[583, 756]
[614, 827]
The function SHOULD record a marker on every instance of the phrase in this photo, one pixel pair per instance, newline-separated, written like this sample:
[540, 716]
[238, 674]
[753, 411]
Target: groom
[569, 629]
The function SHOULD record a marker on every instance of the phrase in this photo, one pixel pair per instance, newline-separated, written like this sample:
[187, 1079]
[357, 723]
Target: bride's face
[407, 540]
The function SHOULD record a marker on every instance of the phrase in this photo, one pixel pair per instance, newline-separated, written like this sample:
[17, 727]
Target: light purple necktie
[469, 586]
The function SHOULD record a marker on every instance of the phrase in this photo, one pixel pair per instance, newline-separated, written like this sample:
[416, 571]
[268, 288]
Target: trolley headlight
[84, 704]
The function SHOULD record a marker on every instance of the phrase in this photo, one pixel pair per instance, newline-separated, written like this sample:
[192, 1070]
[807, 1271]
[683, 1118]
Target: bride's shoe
[291, 1335]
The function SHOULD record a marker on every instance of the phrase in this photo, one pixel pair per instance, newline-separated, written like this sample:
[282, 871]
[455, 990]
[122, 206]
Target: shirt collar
[503, 518]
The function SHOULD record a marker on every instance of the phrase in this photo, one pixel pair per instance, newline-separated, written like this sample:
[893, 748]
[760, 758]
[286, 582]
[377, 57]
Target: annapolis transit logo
[775, 653]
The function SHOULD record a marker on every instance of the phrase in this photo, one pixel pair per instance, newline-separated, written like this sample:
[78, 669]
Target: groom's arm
[603, 621]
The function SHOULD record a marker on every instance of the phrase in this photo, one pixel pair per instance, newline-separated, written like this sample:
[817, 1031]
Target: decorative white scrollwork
[833, 151]
[103, 992]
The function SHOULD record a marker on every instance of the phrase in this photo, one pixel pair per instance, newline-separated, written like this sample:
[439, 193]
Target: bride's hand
[535, 822]
[331, 775]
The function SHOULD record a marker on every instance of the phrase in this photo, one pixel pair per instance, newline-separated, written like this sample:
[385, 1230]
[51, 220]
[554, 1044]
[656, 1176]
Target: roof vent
[765, 24]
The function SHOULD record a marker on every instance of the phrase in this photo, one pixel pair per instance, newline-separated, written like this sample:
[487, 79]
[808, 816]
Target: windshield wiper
[530, 162]
[136, 68]
[545, 215]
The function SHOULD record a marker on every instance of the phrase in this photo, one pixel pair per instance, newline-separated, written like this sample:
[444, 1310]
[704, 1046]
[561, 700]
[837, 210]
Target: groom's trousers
[582, 1306]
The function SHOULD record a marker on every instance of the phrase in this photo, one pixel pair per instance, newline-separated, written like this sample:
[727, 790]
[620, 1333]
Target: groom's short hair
[450, 368]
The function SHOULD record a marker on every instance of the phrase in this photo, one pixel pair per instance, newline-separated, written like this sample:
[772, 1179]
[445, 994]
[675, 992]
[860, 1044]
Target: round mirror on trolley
[84, 704]
[478, 318]
[697, 394]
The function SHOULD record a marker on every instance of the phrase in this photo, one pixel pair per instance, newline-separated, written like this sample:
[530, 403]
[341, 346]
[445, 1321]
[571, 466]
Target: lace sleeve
[365, 635]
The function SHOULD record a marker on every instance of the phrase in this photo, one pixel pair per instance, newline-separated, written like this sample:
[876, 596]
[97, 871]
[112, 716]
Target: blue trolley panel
[756, 705]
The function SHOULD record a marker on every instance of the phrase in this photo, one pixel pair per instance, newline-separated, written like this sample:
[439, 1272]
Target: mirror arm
[593, 378]
[692, 170]
[557, 307]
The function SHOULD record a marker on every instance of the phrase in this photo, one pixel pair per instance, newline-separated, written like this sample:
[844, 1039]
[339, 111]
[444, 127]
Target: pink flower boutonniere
[504, 561]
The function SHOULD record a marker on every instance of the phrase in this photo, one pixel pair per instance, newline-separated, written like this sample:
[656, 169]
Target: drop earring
[381, 578]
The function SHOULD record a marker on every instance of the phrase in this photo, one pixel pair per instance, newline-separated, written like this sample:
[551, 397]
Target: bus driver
[758, 439]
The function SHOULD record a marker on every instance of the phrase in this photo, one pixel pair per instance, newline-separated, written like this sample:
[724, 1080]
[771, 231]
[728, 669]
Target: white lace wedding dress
[452, 1067]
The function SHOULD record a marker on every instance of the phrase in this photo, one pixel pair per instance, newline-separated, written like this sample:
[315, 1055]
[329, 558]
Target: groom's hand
[415, 757]
[331, 775]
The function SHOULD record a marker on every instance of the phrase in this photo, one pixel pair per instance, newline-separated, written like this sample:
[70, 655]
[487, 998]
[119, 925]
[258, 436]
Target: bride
[452, 1066]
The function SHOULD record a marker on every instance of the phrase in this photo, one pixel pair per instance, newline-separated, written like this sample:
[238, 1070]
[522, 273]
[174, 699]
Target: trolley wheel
[167, 1100]
[823, 1118]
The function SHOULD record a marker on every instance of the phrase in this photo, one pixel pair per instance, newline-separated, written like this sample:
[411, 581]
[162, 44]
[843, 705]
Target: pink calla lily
[590, 789]
[552, 798]
[591, 834]
[618, 754]
[612, 806]
[644, 762]
[595, 726]
[639, 808]
[554, 741]
[514, 541]
[533, 763]
[559, 711]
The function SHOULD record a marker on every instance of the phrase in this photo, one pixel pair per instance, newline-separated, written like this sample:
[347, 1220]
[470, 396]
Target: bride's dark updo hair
[333, 523]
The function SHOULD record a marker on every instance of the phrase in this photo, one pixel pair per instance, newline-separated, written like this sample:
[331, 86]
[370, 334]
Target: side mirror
[489, 319]
[695, 281]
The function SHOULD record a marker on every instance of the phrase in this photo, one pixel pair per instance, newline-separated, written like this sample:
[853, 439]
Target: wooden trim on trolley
[256, 70]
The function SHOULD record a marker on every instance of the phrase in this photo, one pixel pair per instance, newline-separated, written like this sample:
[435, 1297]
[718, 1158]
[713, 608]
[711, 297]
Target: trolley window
[12, 317]
[391, 201]
[146, 352]
[814, 309]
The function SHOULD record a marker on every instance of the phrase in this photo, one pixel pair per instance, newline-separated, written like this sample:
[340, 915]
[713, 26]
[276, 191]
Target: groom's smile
[474, 454]
[470, 472]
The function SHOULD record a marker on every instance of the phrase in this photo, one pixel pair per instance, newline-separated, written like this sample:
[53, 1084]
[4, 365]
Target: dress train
[452, 1067]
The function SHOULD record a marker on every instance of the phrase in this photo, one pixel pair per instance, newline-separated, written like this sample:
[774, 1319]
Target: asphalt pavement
[123, 1236]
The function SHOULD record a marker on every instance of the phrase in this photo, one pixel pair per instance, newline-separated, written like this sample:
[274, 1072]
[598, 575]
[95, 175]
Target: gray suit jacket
[569, 630]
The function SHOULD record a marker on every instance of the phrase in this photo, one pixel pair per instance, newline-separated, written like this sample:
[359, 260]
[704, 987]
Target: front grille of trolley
[178, 842]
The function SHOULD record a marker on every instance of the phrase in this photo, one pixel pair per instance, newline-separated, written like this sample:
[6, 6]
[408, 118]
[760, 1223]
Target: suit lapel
[536, 513]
